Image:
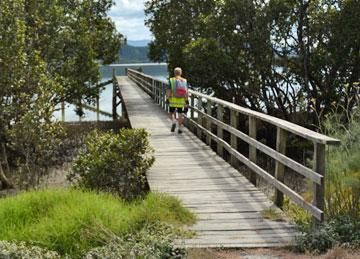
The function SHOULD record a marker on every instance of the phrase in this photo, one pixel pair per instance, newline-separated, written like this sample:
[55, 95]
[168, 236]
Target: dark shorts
[179, 110]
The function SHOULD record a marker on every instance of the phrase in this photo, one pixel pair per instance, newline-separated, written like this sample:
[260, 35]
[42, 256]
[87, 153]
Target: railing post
[114, 115]
[234, 121]
[62, 110]
[98, 107]
[192, 104]
[279, 167]
[160, 94]
[156, 91]
[208, 122]
[80, 109]
[151, 82]
[220, 117]
[319, 167]
[252, 150]
[163, 95]
[199, 119]
[153, 90]
[166, 105]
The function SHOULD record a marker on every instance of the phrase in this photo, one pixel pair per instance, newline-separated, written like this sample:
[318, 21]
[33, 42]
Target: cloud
[129, 16]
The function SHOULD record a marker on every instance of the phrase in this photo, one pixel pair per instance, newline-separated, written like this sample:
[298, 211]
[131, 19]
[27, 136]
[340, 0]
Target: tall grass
[343, 165]
[70, 221]
[342, 187]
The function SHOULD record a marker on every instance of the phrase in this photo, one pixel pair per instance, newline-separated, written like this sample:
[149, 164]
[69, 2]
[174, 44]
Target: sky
[129, 16]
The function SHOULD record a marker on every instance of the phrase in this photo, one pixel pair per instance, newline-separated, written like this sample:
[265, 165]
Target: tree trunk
[4, 180]
[3, 159]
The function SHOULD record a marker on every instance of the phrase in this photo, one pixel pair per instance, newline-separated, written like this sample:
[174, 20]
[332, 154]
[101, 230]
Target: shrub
[338, 231]
[317, 240]
[342, 187]
[343, 167]
[115, 163]
[72, 221]
[152, 242]
[21, 250]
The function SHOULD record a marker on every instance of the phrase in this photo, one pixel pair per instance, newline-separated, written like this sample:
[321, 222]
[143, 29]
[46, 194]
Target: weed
[272, 214]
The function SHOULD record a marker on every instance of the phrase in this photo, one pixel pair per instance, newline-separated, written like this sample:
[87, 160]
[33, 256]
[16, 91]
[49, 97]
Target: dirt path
[337, 253]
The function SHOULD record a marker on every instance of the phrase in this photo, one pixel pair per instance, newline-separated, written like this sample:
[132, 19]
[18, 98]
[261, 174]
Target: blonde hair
[178, 71]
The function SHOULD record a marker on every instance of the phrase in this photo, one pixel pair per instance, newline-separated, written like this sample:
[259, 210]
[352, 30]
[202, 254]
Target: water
[158, 71]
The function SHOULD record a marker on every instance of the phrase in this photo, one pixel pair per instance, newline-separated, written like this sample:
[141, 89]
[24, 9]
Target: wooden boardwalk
[228, 206]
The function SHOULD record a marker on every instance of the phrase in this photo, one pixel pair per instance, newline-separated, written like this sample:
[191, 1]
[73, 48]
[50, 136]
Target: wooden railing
[204, 105]
[116, 102]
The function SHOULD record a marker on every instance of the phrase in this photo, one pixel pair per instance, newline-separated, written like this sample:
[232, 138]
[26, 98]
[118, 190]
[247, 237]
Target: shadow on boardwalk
[228, 206]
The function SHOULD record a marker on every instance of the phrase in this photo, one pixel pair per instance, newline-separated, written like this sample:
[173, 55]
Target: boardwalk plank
[228, 207]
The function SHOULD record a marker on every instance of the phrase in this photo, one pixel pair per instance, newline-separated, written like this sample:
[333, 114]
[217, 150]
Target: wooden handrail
[303, 170]
[297, 198]
[288, 126]
[156, 89]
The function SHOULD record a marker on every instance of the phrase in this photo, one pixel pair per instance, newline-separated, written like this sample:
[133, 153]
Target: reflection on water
[157, 71]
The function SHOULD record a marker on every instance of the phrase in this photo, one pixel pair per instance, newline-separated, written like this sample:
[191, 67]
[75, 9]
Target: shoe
[173, 126]
[180, 131]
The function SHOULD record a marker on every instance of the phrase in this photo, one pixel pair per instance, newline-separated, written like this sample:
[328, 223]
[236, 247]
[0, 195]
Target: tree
[174, 24]
[49, 51]
[292, 59]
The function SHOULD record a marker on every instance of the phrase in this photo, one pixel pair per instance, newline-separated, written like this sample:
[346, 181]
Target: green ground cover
[73, 222]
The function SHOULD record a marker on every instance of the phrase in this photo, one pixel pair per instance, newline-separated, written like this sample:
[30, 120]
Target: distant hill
[131, 54]
[138, 43]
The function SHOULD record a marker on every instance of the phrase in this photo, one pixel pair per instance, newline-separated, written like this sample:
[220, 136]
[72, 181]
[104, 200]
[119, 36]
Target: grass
[272, 214]
[298, 214]
[69, 221]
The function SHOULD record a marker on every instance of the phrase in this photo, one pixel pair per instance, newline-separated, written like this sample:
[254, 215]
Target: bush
[22, 251]
[342, 184]
[73, 221]
[152, 242]
[342, 187]
[115, 163]
[339, 231]
[317, 240]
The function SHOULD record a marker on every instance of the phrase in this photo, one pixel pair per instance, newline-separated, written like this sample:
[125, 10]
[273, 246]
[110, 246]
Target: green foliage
[73, 221]
[163, 208]
[342, 187]
[317, 240]
[114, 162]
[21, 250]
[49, 51]
[274, 56]
[300, 216]
[210, 50]
[343, 167]
[338, 231]
[153, 241]
[272, 214]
